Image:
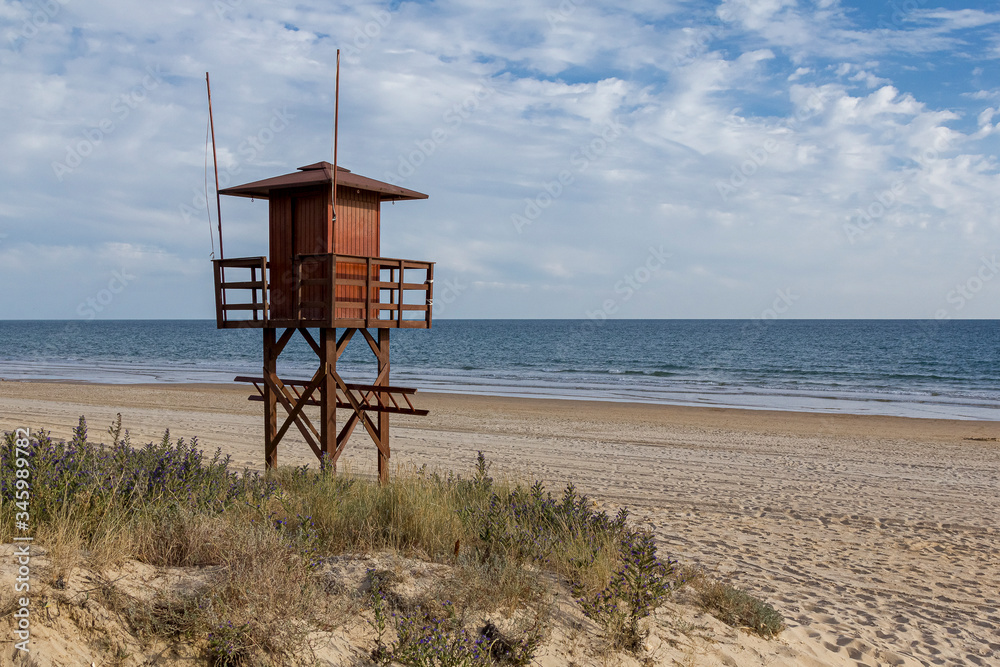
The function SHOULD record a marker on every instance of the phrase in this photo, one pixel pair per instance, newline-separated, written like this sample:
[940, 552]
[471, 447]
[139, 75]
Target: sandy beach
[876, 537]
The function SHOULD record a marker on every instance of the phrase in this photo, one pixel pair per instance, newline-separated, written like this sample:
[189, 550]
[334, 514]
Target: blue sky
[770, 158]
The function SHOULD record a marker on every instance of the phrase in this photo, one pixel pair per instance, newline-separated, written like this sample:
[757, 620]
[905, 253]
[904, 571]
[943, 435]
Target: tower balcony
[325, 291]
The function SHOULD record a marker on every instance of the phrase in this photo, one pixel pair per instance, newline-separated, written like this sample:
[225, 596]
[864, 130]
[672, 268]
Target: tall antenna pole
[218, 202]
[336, 121]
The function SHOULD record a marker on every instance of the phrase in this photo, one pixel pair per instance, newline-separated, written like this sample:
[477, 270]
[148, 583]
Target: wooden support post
[345, 433]
[328, 395]
[429, 300]
[253, 291]
[383, 417]
[399, 312]
[220, 313]
[368, 292]
[270, 400]
[296, 287]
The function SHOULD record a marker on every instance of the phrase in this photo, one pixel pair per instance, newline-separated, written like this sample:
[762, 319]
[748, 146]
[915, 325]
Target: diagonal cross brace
[295, 414]
[360, 414]
[352, 421]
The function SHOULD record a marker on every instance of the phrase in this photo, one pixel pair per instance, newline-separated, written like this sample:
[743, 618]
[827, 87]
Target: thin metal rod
[218, 201]
[336, 121]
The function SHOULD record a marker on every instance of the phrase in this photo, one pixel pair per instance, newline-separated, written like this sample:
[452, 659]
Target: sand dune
[876, 537]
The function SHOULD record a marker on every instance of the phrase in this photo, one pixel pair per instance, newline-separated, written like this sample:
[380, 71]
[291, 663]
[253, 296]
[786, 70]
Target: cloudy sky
[656, 158]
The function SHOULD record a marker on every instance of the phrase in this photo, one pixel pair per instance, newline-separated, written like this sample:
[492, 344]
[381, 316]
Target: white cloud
[983, 95]
[958, 19]
[799, 73]
[751, 99]
[753, 14]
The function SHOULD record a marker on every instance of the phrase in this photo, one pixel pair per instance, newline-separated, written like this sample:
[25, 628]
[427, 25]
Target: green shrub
[641, 584]
[229, 645]
[739, 609]
[168, 503]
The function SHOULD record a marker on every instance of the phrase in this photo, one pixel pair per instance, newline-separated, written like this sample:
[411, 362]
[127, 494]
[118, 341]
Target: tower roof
[321, 173]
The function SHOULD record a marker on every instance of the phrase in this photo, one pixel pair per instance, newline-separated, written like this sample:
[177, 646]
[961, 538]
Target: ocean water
[916, 368]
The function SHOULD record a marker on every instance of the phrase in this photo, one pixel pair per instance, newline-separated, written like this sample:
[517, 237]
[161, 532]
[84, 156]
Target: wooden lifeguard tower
[323, 271]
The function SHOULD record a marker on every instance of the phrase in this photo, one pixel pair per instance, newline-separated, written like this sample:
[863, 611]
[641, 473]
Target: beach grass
[264, 541]
[734, 606]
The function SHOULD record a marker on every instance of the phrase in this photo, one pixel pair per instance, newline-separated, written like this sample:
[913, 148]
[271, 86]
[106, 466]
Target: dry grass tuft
[739, 609]
[262, 542]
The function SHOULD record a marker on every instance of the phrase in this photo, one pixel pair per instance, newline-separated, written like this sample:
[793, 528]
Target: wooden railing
[367, 291]
[329, 291]
[232, 295]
